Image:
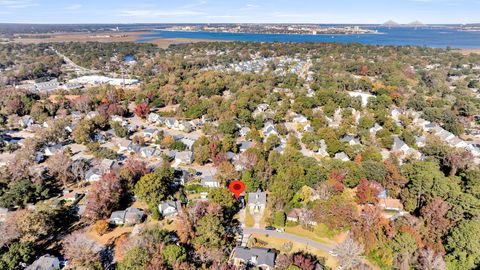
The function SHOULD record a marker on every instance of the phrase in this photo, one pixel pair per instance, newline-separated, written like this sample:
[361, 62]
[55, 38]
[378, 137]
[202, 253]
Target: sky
[239, 11]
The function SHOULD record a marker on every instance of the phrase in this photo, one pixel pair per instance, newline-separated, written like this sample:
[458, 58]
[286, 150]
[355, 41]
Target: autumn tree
[435, 216]
[337, 212]
[104, 197]
[368, 191]
[81, 252]
[141, 110]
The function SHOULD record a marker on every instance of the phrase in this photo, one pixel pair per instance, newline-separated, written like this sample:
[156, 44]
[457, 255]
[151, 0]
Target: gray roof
[208, 179]
[257, 198]
[260, 256]
[398, 144]
[46, 262]
[130, 215]
[167, 204]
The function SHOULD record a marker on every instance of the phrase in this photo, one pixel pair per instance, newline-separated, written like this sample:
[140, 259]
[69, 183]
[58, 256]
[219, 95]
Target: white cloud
[158, 13]
[18, 3]
[74, 7]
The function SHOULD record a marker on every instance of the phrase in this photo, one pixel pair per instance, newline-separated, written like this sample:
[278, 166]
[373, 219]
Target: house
[209, 181]
[26, 121]
[342, 156]
[257, 201]
[376, 128]
[390, 204]
[457, 143]
[396, 113]
[350, 140]
[420, 141]
[123, 144]
[171, 123]
[294, 215]
[96, 173]
[52, 150]
[185, 157]
[442, 133]
[244, 131]
[245, 145]
[186, 127]
[188, 142]
[93, 175]
[269, 129]
[45, 87]
[149, 133]
[46, 262]
[147, 152]
[300, 119]
[261, 258]
[128, 217]
[400, 146]
[182, 177]
[154, 118]
[169, 208]
[308, 128]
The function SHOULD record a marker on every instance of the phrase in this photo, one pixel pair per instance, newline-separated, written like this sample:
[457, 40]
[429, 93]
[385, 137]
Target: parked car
[270, 228]
[280, 230]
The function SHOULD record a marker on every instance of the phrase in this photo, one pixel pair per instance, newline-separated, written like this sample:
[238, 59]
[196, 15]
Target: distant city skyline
[242, 11]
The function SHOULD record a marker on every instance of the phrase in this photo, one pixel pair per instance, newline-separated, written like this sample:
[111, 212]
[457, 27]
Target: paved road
[290, 237]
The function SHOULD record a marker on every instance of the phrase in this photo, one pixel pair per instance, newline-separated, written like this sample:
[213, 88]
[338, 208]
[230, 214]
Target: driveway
[290, 237]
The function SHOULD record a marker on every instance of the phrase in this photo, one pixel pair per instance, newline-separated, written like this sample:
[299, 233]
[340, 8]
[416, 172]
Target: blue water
[431, 37]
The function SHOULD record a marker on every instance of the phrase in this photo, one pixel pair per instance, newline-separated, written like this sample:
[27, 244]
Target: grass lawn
[277, 243]
[320, 233]
[249, 221]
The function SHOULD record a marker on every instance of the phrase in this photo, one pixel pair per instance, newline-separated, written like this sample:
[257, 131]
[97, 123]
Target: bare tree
[60, 165]
[81, 251]
[428, 259]
[349, 253]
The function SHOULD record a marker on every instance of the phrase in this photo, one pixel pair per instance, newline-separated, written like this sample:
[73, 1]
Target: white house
[209, 181]
[269, 129]
[185, 157]
[342, 156]
[169, 208]
[257, 201]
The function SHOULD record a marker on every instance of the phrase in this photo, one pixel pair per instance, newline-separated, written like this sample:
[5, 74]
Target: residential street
[307, 242]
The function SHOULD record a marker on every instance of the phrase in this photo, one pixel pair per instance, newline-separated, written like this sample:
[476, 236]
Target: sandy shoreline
[469, 51]
[103, 37]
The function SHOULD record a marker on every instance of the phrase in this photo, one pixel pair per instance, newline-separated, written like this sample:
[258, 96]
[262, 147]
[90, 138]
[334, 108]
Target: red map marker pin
[237, 187]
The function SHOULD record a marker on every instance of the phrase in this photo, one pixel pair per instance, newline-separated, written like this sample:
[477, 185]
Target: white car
[280, 230]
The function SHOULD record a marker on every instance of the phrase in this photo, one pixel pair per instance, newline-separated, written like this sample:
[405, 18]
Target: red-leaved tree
[104, 196]
[141, 110]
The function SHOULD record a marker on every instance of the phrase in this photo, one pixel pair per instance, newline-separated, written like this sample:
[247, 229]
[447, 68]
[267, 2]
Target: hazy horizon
[252, 11]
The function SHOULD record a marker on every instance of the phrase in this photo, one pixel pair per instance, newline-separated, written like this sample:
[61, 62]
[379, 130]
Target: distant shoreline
[146, 36]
